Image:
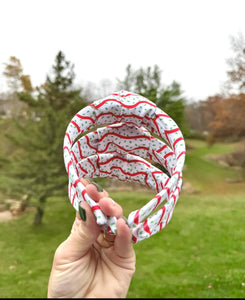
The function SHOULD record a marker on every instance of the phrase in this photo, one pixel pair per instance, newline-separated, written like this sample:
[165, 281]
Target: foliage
[13, 72]
[228, 119]
[16, 81]
[38, 168]
[147, 82]
[15, 78]
[218, 116]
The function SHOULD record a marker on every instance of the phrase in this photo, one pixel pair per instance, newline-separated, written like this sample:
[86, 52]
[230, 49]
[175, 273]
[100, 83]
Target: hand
[85, 265]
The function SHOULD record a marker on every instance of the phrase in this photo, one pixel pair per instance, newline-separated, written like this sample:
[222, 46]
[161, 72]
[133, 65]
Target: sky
[188, 39]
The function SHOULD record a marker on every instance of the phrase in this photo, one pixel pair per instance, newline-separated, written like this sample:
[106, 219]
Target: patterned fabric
[122, 149]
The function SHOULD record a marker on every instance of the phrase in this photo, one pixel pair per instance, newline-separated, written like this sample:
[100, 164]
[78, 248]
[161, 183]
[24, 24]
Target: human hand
[85, 265]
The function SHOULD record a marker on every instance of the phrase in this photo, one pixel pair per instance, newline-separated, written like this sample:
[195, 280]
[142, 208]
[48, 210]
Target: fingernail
[113, 202]
[82, 213]
[99, 188]
[125, 219]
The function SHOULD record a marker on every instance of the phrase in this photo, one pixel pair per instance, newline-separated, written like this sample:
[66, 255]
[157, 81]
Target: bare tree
[16, 82]
[237, 63]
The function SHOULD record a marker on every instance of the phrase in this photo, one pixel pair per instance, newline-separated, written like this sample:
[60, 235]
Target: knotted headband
[125, 149]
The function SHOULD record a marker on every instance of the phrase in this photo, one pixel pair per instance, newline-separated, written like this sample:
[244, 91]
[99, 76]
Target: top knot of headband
[122, 149]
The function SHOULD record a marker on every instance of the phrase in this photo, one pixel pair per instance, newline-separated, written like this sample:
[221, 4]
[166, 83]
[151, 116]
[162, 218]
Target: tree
[198, 115]
[147, 82]
[228, 121]
[16, 81]
[227, 112]
[38, 170]
[236, 73]
[13, 71]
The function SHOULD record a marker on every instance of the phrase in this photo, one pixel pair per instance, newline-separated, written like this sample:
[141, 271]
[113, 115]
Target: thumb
[83, 234]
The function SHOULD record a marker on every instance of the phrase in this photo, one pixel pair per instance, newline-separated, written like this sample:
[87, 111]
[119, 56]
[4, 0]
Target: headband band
[114, 150]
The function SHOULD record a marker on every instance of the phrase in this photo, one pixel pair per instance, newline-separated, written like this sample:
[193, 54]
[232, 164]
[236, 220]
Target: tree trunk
[40, 211]
[38, 216]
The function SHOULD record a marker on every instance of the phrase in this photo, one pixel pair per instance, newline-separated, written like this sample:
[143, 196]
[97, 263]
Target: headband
[126, 150]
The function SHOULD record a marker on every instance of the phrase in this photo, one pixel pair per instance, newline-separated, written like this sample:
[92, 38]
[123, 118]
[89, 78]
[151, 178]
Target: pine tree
[37, 169]
[147, 82]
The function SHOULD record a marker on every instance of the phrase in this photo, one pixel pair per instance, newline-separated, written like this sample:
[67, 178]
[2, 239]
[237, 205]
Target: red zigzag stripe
[146, 227]
[128, 174]
[115, 94]
[123, 159]
[122, 104]
[85, 118]
[120, 147]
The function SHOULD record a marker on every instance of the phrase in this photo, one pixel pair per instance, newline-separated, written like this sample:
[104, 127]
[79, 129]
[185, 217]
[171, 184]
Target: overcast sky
[187, 39]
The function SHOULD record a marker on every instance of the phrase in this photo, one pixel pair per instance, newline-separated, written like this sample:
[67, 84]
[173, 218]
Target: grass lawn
[206, 174]
[200, 253]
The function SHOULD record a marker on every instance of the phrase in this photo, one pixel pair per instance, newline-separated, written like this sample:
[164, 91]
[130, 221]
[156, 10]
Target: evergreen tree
[147, 82]
[37, 169]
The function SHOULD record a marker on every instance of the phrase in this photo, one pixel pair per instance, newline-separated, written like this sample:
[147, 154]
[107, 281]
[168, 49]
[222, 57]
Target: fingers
[81, 238]
[110, 207]
[85, 232]
[84, 181]
[94, 193]
[94, 190]
[107, 205]
[123, 242]
[89, 230]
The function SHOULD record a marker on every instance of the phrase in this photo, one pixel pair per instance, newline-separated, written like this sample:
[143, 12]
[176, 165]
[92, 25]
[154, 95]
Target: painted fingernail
[99, 188]
[82, 213]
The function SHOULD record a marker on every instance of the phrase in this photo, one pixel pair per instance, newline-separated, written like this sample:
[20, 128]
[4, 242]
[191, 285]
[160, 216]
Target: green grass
[203, 244]
[27, 250]
[206, 175]
[200, 253]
